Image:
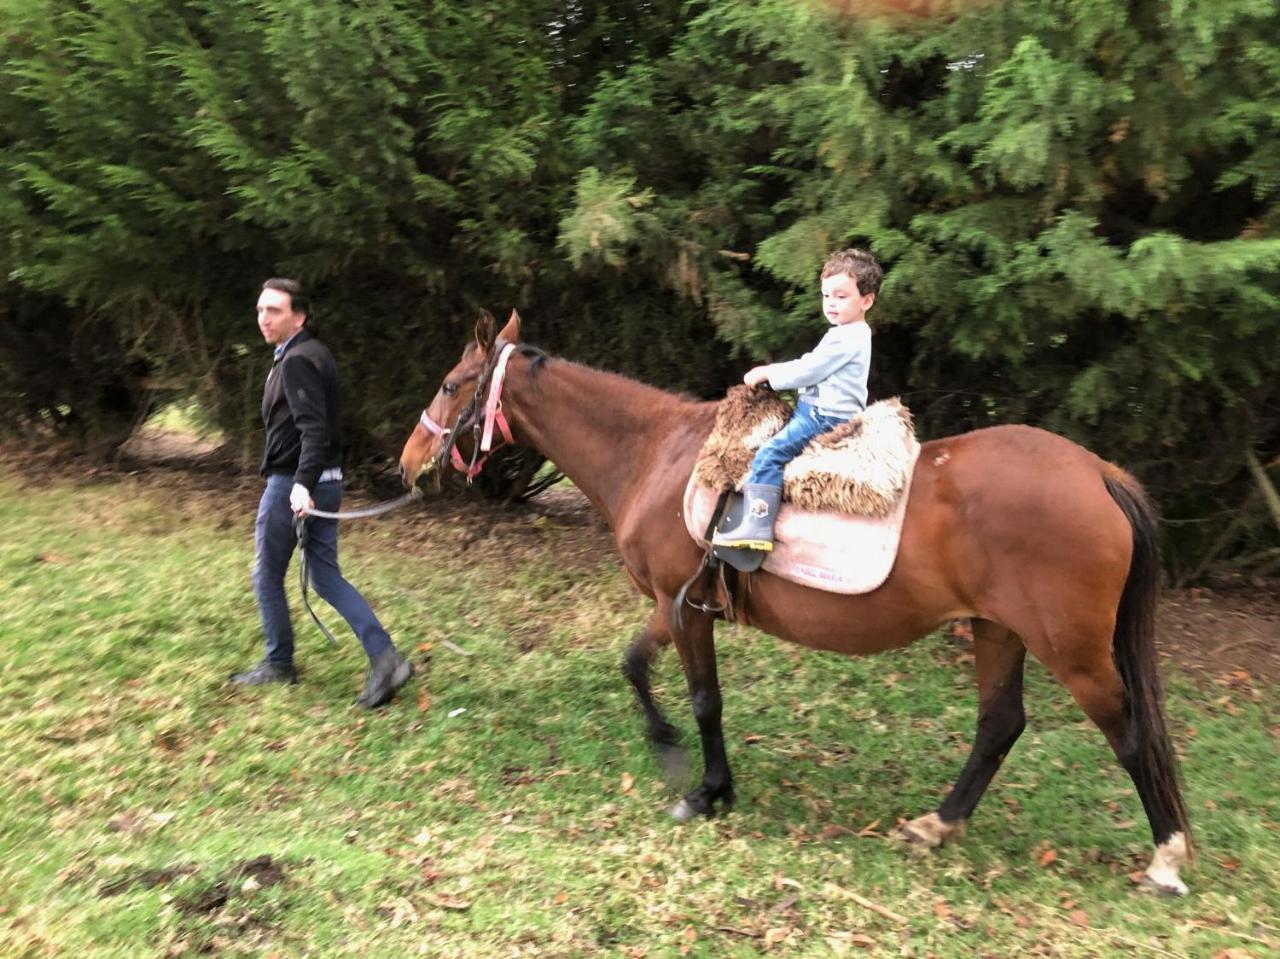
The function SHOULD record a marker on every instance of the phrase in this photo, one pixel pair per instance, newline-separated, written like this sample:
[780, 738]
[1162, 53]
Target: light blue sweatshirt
[833, 375]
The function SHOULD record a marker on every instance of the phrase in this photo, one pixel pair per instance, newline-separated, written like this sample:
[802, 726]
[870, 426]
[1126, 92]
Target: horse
[1045, 546]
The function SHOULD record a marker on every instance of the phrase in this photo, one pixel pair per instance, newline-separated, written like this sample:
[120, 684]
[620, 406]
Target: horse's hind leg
[999, 655]
[1098, 688]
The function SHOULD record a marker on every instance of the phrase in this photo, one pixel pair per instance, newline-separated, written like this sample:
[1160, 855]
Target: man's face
[841, 301]
[276, 317]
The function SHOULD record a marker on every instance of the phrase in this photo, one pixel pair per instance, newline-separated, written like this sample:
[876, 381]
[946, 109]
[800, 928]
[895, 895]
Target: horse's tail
[1134, 651]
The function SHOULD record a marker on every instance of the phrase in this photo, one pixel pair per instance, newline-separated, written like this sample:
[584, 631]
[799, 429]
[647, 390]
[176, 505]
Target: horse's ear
[485, 331]
[511, 332]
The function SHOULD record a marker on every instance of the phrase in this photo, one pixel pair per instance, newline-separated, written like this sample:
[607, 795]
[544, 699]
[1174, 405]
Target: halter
[496, 374]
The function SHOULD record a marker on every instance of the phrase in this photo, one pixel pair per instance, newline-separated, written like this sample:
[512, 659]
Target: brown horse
[1045, 546]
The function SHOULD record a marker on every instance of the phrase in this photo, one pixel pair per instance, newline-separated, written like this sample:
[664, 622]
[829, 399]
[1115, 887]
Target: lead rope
[300, 531]
[368, 511]
[304, 576]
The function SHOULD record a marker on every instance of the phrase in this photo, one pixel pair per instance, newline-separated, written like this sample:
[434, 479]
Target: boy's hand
[756, 375]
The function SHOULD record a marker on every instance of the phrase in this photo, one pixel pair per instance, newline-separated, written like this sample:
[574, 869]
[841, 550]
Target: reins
[490, 382]
[368, 511]
[300, 531]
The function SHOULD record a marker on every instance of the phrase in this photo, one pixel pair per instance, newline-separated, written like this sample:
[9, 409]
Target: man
[302, 461]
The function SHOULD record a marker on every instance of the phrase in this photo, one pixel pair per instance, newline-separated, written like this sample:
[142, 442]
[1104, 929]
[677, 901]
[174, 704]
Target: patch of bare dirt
[154, 446]
[246, 876]
[1223, 630]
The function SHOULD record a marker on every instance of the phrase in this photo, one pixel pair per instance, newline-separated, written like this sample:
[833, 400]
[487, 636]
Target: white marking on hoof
[931, 830]
[1163, 871]
[683, 812]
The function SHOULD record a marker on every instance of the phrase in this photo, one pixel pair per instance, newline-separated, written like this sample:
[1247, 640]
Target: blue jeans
[273, 545]
[785, 445]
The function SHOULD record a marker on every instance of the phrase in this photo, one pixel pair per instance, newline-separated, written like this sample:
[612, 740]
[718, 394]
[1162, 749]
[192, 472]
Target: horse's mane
[540, 358]
[537, 358]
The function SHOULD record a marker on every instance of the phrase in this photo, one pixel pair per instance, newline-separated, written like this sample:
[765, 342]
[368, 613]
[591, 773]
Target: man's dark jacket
[302, 407]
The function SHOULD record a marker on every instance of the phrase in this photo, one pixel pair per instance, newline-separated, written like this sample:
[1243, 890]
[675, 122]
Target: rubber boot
[755, 530]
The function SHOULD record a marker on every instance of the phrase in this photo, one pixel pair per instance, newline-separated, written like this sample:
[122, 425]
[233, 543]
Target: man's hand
[756, 375]
[300, 500]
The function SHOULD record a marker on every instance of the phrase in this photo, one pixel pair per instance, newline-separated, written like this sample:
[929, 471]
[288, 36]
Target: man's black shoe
[266, 672]
[388, 673]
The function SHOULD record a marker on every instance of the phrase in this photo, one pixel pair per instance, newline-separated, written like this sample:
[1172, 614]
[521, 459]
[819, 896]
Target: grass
[185, 417]
[507, 805]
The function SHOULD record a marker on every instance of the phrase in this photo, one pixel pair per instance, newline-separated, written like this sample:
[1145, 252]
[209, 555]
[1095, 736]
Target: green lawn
[507, 805]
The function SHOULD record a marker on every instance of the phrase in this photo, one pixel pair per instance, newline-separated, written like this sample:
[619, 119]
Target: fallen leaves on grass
[146, 879]
[774, 937]
[125, 822]
[840, 943]
[444, 900]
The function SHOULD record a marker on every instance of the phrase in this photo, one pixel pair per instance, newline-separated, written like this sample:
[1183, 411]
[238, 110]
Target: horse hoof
[909, 835]
[1171, 888]
[683, 811]
[1162, 874]
[930, 831]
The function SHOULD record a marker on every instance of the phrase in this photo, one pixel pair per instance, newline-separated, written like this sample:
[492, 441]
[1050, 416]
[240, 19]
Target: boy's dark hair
[298, 299]
[860, 265]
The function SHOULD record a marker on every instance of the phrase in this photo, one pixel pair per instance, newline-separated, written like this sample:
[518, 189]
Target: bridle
[491, 380]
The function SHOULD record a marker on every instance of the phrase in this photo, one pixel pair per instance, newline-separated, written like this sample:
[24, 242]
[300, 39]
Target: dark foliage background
[1075, 201]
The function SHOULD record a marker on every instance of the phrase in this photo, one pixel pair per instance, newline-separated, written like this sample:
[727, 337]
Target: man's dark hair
[298, 299]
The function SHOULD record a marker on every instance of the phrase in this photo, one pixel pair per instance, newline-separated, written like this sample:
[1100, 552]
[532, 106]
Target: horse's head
[451, 424]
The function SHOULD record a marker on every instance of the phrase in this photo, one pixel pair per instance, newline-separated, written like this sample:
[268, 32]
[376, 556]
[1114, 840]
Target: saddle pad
[836, 552]
[861, 467]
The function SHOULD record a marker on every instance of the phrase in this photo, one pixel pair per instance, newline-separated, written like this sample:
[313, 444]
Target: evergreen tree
[1075, 201]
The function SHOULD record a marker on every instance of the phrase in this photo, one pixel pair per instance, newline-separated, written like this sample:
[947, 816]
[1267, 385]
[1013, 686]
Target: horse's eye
[449, 389]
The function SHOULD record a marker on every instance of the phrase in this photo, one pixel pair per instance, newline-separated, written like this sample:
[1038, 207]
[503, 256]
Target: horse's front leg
[662, 736]
[696, 644]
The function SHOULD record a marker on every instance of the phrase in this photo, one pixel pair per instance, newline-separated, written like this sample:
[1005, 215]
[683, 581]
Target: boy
[832, 380]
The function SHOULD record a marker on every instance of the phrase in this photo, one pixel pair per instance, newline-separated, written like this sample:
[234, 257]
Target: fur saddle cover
[848, 490]
[860, 467]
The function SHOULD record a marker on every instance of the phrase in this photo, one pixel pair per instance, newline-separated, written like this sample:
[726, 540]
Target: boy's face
[841, 301]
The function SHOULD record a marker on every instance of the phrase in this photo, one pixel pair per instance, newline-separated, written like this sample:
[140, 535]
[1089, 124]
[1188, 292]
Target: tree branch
[1265, 485]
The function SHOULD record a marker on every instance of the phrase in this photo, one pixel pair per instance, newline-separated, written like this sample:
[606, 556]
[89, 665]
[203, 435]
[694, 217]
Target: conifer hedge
[1076, 202]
